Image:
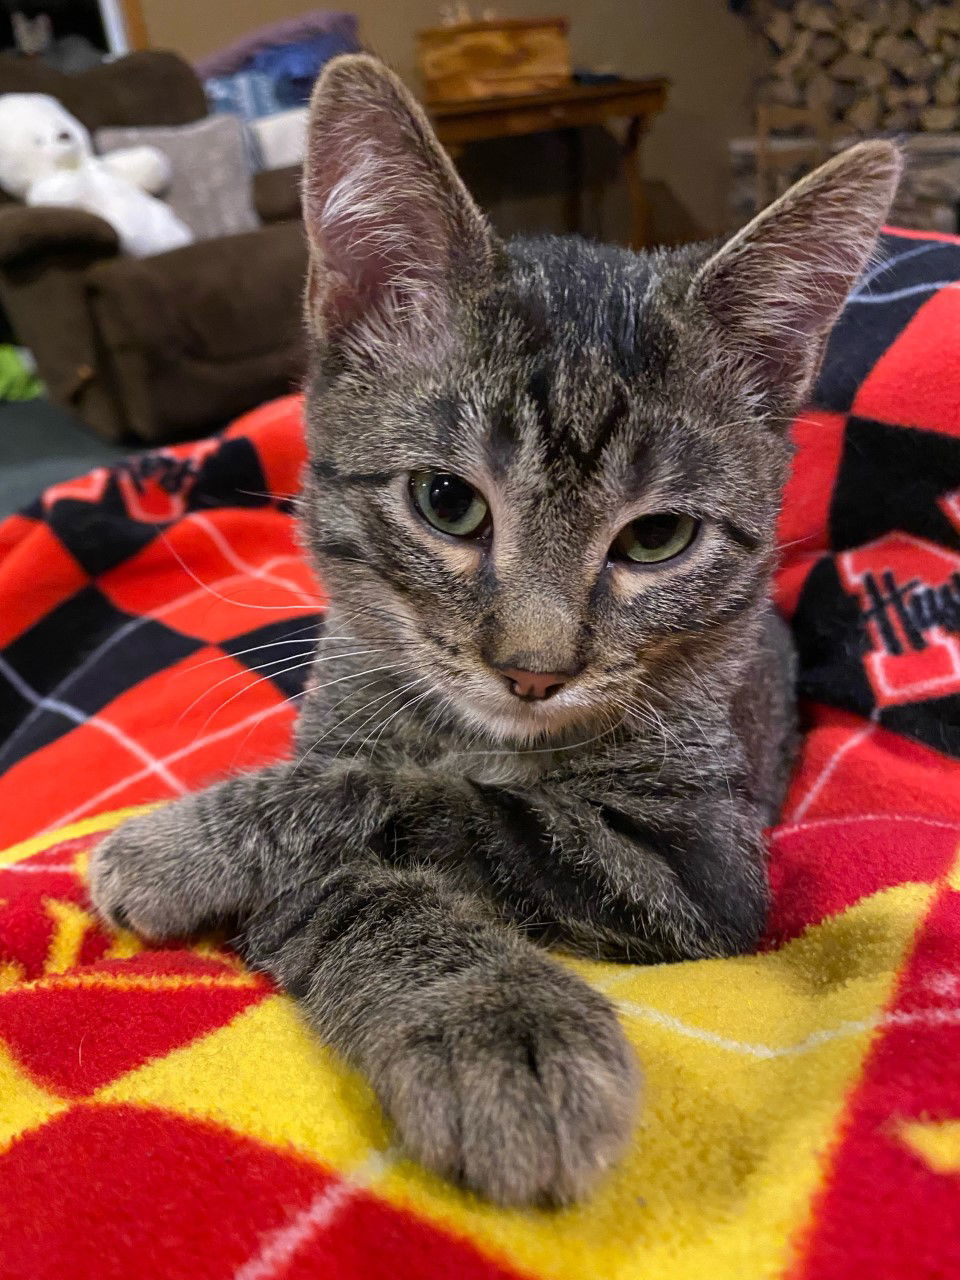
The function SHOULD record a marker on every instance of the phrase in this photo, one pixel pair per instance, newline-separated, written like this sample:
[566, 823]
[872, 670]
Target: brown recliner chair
[162, 347]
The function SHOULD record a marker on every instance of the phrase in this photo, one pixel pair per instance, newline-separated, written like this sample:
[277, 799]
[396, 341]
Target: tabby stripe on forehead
[445, 411]
[538, 389]
[614, 418]
[503, 438]
[325, 470]
[556, 445]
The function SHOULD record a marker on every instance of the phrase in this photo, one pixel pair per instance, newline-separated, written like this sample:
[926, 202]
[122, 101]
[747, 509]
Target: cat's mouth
[485, 700]
[508, 718]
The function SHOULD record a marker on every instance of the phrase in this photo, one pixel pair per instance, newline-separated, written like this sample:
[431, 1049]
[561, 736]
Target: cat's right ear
[394, 236]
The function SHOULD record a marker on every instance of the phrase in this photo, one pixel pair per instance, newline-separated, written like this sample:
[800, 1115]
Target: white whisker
[316, 605]
[238, 675]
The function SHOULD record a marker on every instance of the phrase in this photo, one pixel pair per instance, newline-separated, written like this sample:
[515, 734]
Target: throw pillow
[211, 188]
[281, 138]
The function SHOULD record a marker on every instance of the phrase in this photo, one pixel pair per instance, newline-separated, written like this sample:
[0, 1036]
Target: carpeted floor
[41, 444]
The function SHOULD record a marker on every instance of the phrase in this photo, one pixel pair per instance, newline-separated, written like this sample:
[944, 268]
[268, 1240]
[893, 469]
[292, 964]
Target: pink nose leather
[534, 685]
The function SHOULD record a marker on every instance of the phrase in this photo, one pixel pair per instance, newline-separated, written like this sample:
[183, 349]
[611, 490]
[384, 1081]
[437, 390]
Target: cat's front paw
[517, 1085]
[140, 880]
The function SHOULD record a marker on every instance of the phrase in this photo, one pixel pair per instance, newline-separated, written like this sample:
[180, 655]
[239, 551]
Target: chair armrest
[29, 230]
[276, 193]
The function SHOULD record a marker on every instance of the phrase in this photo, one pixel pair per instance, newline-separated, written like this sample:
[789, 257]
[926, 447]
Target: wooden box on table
[498, 58]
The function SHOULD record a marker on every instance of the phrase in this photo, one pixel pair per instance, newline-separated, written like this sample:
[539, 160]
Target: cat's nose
[534, 685]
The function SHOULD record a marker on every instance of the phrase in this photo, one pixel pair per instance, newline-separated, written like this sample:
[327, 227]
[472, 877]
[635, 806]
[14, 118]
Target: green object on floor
[17, 378]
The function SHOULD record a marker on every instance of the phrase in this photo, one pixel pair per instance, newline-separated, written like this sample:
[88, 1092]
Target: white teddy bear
[46, 157]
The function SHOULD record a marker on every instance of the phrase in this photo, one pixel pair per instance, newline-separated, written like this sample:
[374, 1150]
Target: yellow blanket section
[747, 1062]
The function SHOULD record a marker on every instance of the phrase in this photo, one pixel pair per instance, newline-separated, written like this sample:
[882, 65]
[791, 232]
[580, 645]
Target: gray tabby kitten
[554, 705]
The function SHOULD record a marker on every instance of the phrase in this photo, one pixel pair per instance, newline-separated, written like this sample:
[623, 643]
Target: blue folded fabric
[248, 94]
[293, 68]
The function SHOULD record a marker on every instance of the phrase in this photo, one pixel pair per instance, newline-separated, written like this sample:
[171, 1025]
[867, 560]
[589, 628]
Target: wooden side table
[569, 109]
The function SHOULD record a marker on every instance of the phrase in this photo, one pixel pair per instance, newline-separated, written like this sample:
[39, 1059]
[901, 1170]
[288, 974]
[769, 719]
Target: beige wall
[705, 50]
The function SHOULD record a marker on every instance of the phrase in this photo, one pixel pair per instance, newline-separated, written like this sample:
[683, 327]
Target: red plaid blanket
[162, 1113]
[139, 604]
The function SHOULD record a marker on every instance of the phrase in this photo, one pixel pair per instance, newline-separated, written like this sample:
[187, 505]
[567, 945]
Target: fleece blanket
[163, 1113]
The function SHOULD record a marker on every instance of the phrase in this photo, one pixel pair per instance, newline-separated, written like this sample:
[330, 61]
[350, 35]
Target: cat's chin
[526, 724]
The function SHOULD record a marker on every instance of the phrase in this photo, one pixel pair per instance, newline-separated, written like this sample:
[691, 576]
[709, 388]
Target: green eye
[450, 504]
[655, 538]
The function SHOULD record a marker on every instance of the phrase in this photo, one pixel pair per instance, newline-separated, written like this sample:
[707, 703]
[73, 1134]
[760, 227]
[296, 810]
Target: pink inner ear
[779, 295]
[393, 233]
[779, 284]
[375, 221]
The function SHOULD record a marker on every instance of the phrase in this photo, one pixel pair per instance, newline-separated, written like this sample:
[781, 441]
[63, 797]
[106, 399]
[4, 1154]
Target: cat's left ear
[776, 288]
[395, 239]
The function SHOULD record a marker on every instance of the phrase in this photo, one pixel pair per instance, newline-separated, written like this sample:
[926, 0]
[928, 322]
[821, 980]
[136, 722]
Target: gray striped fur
[403, 873]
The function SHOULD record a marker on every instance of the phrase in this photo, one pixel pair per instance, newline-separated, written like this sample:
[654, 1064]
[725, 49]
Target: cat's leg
[642, 875]
[500, 1069]
[190, 865]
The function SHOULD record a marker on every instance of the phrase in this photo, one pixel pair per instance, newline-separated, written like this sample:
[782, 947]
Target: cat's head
[545, 475]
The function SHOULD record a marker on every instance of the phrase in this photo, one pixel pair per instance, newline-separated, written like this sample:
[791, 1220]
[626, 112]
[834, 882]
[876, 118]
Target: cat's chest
[500, 769]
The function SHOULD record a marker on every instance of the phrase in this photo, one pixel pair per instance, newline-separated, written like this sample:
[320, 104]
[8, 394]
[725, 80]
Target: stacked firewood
[864, 66]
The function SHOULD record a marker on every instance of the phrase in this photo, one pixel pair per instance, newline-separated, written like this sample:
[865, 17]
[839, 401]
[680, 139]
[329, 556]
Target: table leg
[639, 210]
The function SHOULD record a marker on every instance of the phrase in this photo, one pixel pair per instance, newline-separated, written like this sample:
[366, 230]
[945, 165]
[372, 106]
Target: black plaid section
[42, 657]
[145, 647]
[231, 476]
[47, 654]
[865, 330]
[889, 481]
[103, 535]
[14, 708]
[890, 478]
[284, 649]
[935, 722]
[53, 647]
[831, 640]
[100, 535]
